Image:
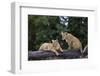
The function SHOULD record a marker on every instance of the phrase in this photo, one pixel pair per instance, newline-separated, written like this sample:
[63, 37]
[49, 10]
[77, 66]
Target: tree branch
[43, 55]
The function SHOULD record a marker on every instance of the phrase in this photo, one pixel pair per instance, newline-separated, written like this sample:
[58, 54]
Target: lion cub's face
[65, 36]
[55, 44]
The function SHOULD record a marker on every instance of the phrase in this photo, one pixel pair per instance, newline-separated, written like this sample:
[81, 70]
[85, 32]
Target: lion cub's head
[56, 44]
[65, 35]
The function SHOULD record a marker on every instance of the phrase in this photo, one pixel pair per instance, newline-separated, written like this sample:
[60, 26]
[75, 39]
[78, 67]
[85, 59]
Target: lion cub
[73, 42]
[54, 47]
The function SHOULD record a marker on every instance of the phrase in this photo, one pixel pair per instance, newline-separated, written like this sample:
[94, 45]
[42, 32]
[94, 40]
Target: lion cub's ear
[53, 41]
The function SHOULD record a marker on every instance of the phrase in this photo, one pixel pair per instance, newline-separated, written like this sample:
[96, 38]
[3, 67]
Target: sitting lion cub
[54, 47]
[73, 42]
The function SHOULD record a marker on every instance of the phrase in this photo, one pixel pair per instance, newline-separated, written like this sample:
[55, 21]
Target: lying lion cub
[54, 47]
[73, 42]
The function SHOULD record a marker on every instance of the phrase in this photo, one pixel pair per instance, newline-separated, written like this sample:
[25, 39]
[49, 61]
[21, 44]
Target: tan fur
[54, 47]
[73, 42]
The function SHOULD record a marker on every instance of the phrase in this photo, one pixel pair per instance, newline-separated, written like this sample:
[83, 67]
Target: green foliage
[46, 28]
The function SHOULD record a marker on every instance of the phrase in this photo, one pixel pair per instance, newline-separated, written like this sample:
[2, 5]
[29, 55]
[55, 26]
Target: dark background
[43, 29]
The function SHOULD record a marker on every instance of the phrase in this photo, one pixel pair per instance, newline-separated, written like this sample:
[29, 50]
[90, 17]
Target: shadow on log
[44, 55]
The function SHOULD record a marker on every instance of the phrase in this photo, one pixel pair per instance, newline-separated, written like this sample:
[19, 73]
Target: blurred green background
[43, 29]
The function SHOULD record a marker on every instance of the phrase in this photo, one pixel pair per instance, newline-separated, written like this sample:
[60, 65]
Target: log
[44, 55]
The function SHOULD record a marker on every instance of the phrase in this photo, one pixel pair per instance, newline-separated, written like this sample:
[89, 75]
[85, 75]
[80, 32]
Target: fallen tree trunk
[43, 55]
